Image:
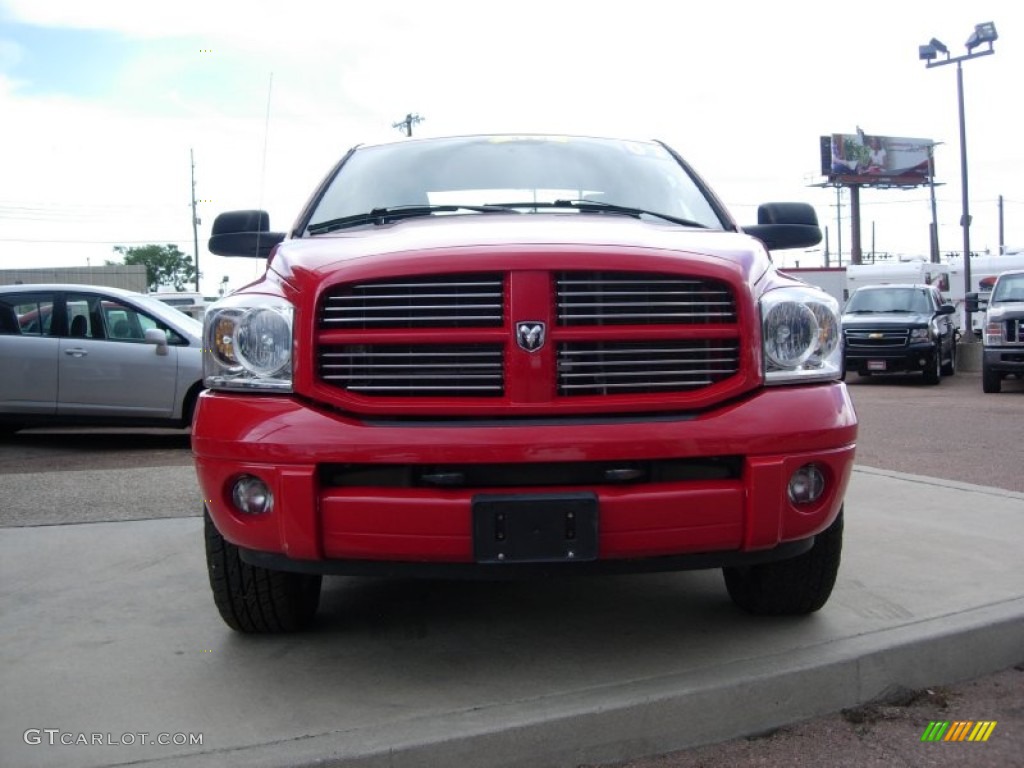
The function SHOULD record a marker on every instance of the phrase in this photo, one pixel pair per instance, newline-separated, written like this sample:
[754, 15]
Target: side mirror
[157, 337]
[786, 225]
[947, 309]
[971, 302]
[243, 233]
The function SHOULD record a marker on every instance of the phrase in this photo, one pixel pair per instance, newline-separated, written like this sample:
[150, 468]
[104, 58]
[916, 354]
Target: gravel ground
[882, 734]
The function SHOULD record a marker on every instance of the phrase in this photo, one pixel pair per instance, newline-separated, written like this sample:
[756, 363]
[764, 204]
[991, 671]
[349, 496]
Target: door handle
[76, 352]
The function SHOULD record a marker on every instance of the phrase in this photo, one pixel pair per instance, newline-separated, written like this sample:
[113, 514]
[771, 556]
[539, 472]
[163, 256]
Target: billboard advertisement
[856, 158]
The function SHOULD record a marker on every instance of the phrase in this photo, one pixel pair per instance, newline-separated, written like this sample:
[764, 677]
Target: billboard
[884, 161]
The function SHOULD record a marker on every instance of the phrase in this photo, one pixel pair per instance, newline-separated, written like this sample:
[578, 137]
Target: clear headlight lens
[920, 334]
[249, 344]
[801, 335]
[994, 333]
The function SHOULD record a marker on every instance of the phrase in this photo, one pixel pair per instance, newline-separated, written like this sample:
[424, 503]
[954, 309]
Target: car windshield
[502, 174]
[1008, 288]
[889, 300]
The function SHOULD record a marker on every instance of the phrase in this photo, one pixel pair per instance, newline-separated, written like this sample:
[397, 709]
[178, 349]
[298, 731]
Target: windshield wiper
[381, 216]
[597, 206]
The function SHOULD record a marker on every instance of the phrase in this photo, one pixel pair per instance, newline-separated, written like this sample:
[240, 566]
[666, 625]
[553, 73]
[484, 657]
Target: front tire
[793, 587]
[949, 369]
[933, 373]
[991, 381]
[253, 599]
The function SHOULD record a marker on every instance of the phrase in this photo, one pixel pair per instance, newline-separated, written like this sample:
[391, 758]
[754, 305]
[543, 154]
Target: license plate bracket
[535, 528]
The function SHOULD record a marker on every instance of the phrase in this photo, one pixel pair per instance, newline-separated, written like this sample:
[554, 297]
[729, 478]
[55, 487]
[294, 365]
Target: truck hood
[404, 244]
[1005, 310]
[885, 319]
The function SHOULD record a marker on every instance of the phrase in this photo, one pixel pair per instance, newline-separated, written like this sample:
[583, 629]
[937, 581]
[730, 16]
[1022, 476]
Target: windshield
[890, 300]
[1008, 288]
[500, 170]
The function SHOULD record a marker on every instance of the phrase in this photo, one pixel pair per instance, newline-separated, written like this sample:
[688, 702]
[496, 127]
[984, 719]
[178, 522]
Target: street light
[929, 53]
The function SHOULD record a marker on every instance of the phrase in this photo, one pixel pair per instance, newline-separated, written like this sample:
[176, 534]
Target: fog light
[252, 496]
[806, 485]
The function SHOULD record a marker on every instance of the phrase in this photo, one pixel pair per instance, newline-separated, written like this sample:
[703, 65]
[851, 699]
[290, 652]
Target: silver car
[83, 354]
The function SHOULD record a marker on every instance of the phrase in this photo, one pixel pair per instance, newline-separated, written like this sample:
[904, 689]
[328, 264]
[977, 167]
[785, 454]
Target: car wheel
[254, 599]
[791, 587]
[949, 369]
[933, 373]
[991, 381]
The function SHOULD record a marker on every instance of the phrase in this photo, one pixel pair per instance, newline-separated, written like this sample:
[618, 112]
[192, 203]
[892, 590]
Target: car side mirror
[786, 225]
[158, 337]
[243, 233]
[947, 309]
[971, 302]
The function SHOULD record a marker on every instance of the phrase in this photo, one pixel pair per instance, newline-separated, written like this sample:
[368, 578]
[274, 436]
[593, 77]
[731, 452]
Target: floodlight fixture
[983, 33]
[926, 52]
[938, 45]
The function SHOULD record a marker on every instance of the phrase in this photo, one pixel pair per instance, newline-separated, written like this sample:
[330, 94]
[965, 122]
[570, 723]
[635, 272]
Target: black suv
[899, 329]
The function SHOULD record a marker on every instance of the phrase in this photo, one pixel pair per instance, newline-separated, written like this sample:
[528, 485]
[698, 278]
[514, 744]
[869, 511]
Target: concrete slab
[109, 629]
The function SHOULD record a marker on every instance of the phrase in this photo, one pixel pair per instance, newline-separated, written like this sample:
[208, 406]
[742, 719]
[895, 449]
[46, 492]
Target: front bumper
[1004, 359]
[908, 359]
[318, 526]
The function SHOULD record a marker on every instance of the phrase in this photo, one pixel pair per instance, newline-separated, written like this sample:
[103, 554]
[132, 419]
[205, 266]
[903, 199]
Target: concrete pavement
[109, 628]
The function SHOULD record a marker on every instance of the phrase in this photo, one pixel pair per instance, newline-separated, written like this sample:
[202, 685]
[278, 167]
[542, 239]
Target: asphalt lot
[952, 431]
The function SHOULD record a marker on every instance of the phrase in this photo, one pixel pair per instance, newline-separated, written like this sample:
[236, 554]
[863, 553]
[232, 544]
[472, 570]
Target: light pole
[983, 33]
[934, 240]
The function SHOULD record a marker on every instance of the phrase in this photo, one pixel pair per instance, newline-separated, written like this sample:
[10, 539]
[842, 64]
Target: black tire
[949, 369]
[933, 374]
[188, 409]
[991, 381]
[253, 599]
[793, 587]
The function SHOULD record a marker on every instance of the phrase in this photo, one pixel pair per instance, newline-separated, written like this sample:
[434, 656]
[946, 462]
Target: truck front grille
[537, 340]
[876, 338]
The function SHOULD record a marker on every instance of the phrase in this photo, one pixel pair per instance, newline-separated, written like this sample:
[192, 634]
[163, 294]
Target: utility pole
[195, 219]
[1002, 242]
[407, 124]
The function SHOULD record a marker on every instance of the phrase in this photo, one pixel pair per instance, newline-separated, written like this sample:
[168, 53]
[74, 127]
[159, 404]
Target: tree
[165, 264]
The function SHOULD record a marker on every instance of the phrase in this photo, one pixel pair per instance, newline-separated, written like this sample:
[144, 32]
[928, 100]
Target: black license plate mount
[535, 528]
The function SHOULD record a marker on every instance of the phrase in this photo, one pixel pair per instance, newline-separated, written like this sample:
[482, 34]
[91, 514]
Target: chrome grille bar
[447, 301]
[407, 370]
[626, 298]
[595, 368]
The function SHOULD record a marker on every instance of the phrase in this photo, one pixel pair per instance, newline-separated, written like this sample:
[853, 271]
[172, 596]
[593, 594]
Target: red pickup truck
[520, 356]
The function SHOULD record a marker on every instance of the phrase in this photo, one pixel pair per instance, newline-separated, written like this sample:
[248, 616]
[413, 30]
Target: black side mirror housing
[786, 225]
[971, 302]
[243, 233]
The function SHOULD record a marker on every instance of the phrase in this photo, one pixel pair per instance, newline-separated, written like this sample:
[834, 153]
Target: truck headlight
[920, 334]
[993, 333]
[248, 341]
[801, 335]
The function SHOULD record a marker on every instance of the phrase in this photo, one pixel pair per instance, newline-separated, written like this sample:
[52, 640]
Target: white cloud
[742, 89]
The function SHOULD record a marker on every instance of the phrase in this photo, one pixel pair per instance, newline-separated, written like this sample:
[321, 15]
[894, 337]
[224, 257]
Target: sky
[104, 103]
